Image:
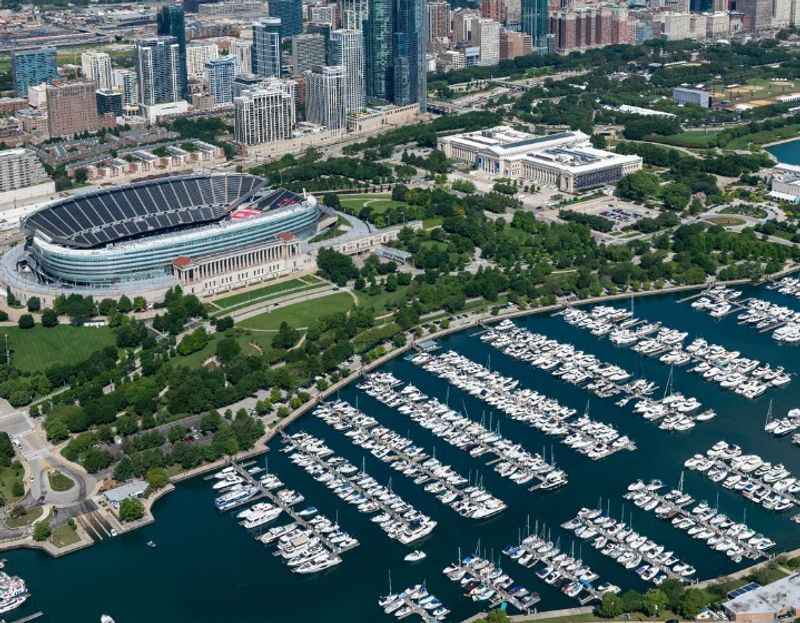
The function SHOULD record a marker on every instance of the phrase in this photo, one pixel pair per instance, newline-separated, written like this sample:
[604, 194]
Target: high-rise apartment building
[354, 14]
[410, 64]
[265, 114]
[20, 168]
[72, 109]
[487, 36]
[582, 28]
[197, 56]
[170, 23]
[535, 22]
[221, 72]
[267, 47]
[159, 68]
[757, 14]
[126, 82]
[32, 67]
[96, 66]
[514, 44]
[308, 50]
[109, 101]
[378, 37]
[290, 12]
[325, 96]
[396, 38]
[438, 20]
[494, 9]
[242, 49]
[347, 50]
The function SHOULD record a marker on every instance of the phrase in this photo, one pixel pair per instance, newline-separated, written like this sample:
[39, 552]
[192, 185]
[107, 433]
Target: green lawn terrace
[38, 348]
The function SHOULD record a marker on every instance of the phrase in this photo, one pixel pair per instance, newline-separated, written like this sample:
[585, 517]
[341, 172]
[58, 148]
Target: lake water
[207, 569]
[788, 153]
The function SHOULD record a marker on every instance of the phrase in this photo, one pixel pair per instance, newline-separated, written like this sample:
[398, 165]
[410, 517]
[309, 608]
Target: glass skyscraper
[267, 47]
[535, 23]
[396, 35]
[171, 24]
[290, 13]
[158, 65]
[32, 67]
[378, 38]
[409, 43]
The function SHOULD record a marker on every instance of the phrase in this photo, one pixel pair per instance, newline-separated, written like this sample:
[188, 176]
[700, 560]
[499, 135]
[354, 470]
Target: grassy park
[300, 314]
[242, 298]
[8, 477]
[378, 203]
[59, 481]
[36, 349]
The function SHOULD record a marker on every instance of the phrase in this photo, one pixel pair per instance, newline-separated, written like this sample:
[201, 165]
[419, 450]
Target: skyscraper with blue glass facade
[535, 22]
[290, 13]
[171, 23]
[32, 67]
[396, 34]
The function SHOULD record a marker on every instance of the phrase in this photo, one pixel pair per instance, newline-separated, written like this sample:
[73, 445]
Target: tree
[34, 304]
[610, 606]
[693, 601]
[654, 601]
[26, 321]
[125, 469]
[332, 201]
[638, 186]
[286, 337]
[131, 509]
[157, 478]
[228, 349]
[41, 530]
[124, 305]
[49, 318]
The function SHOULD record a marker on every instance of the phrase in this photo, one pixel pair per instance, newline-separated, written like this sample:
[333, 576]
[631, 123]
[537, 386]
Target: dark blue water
[786, 152]
[207, 569]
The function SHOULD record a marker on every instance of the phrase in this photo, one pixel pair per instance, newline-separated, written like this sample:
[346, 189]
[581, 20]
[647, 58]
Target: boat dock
[680, 510]
[491, 582]
[289, 510]
[398, 455]
[351, 479]
[26, 619]
[586, 525]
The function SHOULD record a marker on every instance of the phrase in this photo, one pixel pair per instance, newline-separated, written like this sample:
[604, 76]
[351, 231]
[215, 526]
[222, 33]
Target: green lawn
[31, 515]
[39, 348]
[378, 203]
[8, 476]
[246, 340]
[300, 314]
[59, 481]
[244, 297]
[64, 535]
[692, 139]
[381, 302]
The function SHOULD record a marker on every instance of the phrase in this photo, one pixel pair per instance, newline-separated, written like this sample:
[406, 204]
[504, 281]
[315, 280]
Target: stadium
[128, 238]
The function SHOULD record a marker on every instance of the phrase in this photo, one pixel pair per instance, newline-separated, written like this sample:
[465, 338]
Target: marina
[729, 369]
[510, 460]
[483, 581]
[440, 480]
[702, 522]
[196, 544]
[586, 436]
[630, 549]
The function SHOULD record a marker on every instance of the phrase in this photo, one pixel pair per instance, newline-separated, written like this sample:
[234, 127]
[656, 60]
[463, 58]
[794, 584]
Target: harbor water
[208, 569]
[788, 153]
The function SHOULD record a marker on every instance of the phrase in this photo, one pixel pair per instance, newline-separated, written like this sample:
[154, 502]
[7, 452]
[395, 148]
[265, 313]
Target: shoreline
[278, 426]
[766, 146]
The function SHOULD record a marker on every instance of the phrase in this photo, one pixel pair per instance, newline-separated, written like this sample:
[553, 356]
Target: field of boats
[457, 442]
[511, 460]
[731, 370]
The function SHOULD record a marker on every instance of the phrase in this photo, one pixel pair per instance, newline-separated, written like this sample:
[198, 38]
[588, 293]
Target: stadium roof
[107, 216]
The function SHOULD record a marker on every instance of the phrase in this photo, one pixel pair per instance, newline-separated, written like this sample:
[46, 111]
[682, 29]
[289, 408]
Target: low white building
[565, 160]
[786, 183]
